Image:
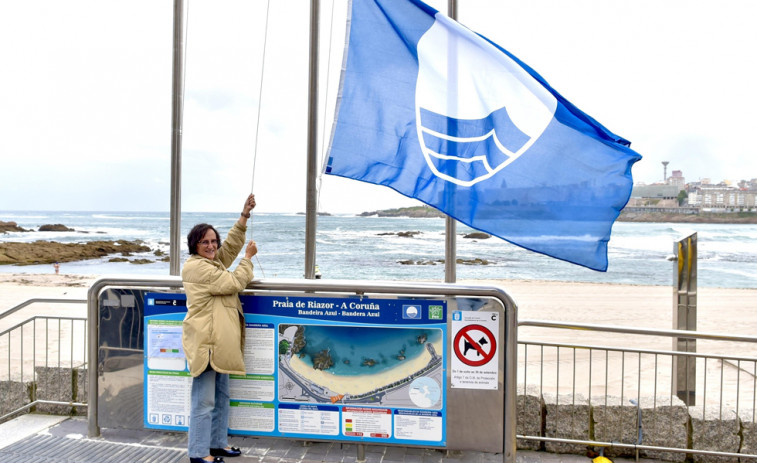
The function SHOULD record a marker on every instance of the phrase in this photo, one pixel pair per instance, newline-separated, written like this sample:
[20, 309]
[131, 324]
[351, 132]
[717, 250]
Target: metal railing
[45, 358]
[623, 393]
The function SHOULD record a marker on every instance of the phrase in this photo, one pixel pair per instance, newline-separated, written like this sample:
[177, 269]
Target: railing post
[685, 317]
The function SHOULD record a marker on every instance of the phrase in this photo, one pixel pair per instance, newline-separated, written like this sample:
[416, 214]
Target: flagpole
[311, 202]
[177, 113]
[450, 225]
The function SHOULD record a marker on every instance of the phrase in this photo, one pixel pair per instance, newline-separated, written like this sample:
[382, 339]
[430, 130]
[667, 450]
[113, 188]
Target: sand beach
[723, 310]
[356, 385]
[720, 310]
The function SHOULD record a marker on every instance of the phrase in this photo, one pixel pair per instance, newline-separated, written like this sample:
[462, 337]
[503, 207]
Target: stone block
[81, 393]
[60, 385]
[529, 405]
[566, 416]
[748, 427]
[664, 423]
[614, 421]
[14, 395]
[712, 429]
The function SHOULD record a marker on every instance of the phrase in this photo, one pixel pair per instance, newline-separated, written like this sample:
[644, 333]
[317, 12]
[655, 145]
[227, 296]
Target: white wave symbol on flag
[476, 109]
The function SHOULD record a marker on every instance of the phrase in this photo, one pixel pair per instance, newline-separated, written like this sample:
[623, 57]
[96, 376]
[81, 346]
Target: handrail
[36, 300]
[309, 285]
[40, 317]
[639, 331]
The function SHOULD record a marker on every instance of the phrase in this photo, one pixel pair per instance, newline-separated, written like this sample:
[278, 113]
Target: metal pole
[450, 226]
[685, 317]
[177, 113]
[311, 203]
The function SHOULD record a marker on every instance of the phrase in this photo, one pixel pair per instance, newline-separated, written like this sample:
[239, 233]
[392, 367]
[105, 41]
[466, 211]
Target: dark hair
[196, 233]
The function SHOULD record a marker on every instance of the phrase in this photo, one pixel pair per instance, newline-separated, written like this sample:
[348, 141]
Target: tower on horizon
[665, 171]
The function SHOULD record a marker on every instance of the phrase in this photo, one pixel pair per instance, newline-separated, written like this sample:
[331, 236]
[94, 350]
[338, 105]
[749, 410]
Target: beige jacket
[213, 330]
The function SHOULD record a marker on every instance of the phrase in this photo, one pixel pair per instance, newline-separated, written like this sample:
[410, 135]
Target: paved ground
[42, 438]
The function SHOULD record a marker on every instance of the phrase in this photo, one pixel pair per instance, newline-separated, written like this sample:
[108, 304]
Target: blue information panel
[348, 369]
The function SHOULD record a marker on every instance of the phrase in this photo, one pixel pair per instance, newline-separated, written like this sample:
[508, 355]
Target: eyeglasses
[206, 242]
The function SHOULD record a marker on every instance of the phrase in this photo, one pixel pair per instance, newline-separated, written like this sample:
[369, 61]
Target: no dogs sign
[475, 359]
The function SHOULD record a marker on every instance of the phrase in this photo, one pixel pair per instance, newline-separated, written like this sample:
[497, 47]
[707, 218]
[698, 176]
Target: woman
[213, 331]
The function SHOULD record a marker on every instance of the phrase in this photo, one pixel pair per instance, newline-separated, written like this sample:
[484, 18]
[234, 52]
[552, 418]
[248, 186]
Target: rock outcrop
[6, 227]
[477, 236]
[48, 252]
[55, 227]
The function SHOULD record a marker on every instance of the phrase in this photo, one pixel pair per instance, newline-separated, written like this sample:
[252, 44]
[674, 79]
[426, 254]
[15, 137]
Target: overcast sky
[85, 94]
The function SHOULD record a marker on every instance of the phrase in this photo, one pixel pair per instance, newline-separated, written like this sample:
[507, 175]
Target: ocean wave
[131, 217]
[10, 217]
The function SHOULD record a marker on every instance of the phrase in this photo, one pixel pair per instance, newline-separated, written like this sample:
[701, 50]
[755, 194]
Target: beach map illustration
[394, 367]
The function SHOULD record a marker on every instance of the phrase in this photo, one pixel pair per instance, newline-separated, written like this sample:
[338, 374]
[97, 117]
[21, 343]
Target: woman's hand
[249, 205]
[251, 250]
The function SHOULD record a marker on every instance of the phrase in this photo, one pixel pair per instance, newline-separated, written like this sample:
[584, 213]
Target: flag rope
[325, 110]
[257, 121]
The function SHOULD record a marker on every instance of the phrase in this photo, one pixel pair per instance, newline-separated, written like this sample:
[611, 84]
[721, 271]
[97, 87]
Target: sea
[379, 349]
[369, 248]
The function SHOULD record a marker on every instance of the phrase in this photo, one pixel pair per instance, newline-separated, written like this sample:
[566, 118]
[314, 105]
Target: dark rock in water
[11, 227]
[421, 262]
[323, 360]
[118, 259]
[404, 234]
[141, 261]
[477, 236]
[56, 227]
[476, 261]
[368, 362]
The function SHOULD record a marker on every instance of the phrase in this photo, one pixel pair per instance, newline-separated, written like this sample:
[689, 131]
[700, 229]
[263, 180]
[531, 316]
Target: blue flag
[441, 114]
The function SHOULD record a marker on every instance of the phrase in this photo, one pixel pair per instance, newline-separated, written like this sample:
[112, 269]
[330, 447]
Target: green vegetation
[283, 347]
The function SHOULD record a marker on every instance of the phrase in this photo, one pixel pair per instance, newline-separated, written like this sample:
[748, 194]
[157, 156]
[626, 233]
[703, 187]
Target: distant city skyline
[670, 168]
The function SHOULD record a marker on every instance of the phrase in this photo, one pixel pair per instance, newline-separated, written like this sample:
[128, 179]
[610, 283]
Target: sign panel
[475, 362]
[348, 368]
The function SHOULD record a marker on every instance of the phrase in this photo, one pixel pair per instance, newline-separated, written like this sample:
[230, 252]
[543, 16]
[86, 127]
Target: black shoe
[202, 460]
[232, 452]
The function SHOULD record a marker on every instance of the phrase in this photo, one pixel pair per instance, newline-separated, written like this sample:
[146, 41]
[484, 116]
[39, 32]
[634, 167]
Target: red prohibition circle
[486, 356]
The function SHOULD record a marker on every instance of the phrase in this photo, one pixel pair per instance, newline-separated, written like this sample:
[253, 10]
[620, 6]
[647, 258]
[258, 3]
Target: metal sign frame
[469, 423]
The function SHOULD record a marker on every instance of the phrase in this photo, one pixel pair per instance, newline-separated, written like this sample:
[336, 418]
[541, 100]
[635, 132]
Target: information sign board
[338, 368]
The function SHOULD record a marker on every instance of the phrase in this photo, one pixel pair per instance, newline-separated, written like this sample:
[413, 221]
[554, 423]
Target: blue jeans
[209, 416]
